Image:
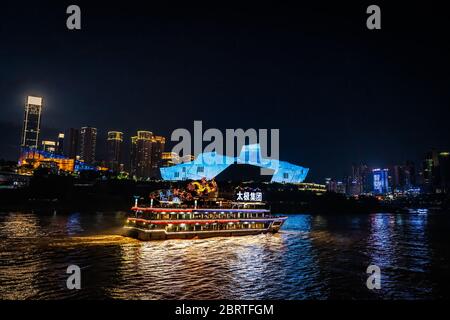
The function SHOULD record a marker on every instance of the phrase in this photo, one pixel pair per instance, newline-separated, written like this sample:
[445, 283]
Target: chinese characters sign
[249, 196]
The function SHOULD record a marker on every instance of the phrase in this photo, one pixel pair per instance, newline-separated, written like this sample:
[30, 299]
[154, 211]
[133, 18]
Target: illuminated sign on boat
[249, 196]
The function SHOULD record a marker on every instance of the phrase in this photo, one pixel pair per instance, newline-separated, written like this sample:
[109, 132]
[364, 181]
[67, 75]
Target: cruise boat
[200, 217]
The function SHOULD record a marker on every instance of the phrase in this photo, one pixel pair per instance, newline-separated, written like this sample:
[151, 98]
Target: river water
[313, 257]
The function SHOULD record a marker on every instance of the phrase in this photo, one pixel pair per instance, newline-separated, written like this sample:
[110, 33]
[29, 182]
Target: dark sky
[338, 92]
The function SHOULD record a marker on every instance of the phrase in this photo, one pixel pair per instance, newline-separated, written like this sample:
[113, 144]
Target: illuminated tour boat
[198, 213]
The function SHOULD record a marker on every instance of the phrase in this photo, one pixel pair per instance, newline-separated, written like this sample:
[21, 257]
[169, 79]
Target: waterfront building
[403, 177]
[354, 186]
[71, 143]
[88, 141]
[143, 155]
[444, 171]
[49, 146]
[133, 157]
[31, 122]
[158, 144]
[312, 187]
[380, 181]
[210, 164]
[360, 180]
[331, 185]
[31, 159]
[114, 149]
[341, 187]
[169, 159]
[430, 172]
[60, 143]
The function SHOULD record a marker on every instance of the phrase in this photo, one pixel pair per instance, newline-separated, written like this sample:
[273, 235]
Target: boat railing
[206, 216]
[233, 205]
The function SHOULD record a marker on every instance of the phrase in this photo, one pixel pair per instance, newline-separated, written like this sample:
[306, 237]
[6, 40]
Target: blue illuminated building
[209, 164]
[380, 181]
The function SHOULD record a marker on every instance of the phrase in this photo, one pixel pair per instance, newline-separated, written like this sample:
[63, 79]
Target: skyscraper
[403, 176]
[88, 141]
[133, 156]
[60, 143]
[114, 146]
[380, 181]
[144, 154]
[444, 171]
[359, 182]
[31, 122]
[71, 143]
[430, 172]
[158, 144]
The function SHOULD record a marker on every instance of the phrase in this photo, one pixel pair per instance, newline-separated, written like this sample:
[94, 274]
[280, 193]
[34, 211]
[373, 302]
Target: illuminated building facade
[114, 146]
[133, 156]
[143, 156]
[169, 159]
[60, 143]
[88, 142]
[31, 158]
[146, 155]
[380, 181]
[158, 144]
[312, 187]
[31, 122]
[209, 164]
[71, 143]
[49, 146]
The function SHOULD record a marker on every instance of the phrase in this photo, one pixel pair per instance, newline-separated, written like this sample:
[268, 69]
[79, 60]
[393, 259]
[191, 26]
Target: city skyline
[117, 158]
[338, 93]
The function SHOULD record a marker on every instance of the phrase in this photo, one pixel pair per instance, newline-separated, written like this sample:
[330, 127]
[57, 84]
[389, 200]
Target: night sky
[338, 92]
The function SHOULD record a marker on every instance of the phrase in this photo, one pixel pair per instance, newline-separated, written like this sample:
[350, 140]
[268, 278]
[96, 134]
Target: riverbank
[66, 193]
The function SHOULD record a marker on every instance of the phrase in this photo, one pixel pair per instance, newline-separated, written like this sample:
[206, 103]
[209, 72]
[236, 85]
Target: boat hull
[146, 235]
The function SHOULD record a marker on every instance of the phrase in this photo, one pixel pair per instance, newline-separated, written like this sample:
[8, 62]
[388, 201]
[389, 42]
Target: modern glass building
[209, 164]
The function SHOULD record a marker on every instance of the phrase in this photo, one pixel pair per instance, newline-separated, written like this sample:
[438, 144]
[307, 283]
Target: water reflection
[314, 257]
[73, 226]
[18, 268]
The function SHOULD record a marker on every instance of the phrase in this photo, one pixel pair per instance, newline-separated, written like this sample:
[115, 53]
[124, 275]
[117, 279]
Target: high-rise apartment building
[31, 122]
[158, 144]
[60, 143]
[380, 181]
[133, 156]
[114, 146]
[71, 143]
[444, 172]
[88, 142]
[144, 154]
